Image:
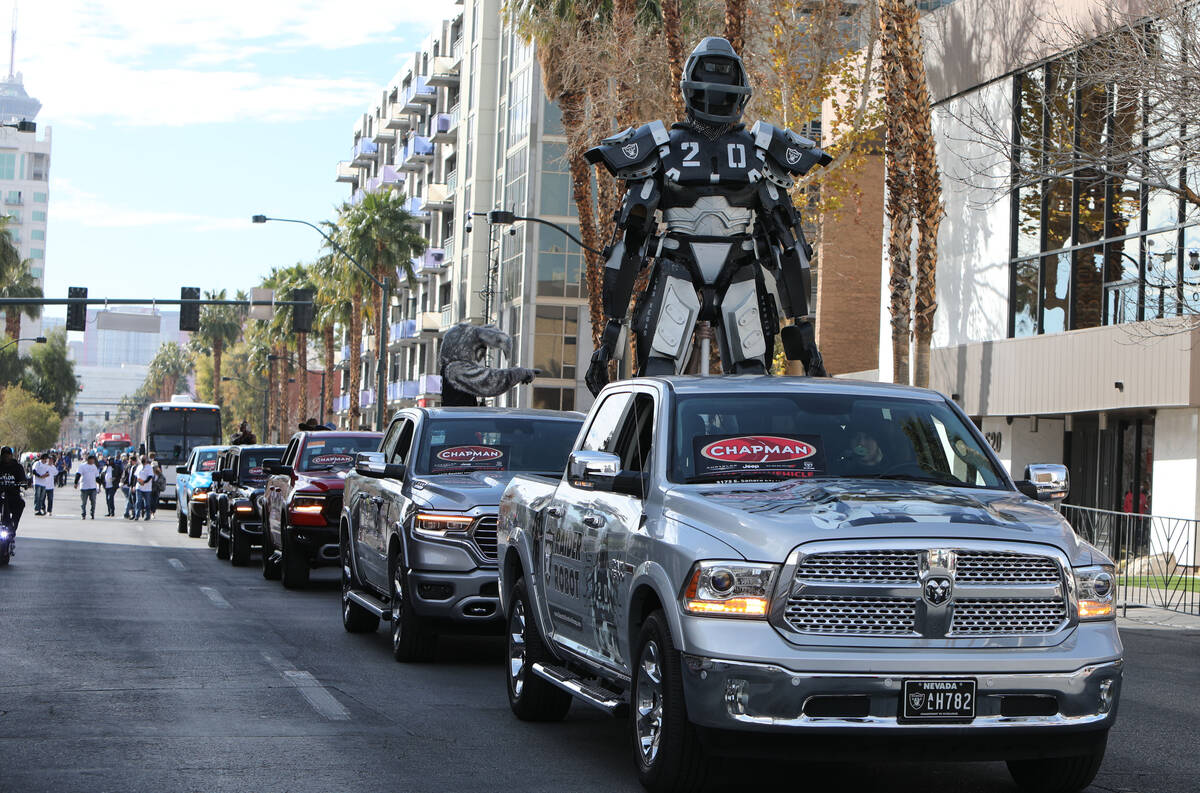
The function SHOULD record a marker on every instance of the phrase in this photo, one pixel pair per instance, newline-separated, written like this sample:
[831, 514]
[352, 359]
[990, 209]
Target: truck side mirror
[1048, 482]
[373, 464]
[181, 469]
[593, 470]
[272, 465]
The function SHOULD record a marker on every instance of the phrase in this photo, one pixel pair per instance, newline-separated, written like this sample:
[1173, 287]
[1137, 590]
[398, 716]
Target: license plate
[938, 700]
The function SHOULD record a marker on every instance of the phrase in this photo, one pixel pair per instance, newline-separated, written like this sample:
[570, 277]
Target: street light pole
[385, 289]
[35, 339]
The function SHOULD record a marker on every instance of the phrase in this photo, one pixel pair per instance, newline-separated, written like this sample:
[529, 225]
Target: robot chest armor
[730, 161]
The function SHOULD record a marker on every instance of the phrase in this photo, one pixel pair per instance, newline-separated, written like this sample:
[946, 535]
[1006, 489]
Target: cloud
[76, 205]
[154, 63]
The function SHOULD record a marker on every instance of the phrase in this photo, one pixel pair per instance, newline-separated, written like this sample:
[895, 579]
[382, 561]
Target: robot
[730, 251]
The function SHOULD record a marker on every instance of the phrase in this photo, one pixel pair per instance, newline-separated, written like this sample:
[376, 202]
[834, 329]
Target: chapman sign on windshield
[474, 458]
[786, 455]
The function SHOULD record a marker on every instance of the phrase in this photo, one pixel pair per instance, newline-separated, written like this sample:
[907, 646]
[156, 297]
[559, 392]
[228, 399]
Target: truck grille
[484, 535]
[853, 616]
[975, 617]
[880, 592]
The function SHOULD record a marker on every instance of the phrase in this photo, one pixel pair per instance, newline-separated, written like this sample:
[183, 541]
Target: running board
[598, 697]
[371, 604]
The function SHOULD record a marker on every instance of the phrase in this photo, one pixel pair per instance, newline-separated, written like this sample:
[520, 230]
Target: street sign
[260, 295]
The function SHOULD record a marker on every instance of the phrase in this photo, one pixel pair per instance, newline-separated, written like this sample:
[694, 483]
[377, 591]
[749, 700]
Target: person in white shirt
[43, 486]
[145, 489]
[87, 475]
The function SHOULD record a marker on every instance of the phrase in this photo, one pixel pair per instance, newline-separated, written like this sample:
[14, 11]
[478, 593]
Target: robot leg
[744, 336]
[664, 318]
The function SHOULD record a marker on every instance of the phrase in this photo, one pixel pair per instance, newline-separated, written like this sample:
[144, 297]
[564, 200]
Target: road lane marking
[215, 597]
[317, 695]
[178, 565]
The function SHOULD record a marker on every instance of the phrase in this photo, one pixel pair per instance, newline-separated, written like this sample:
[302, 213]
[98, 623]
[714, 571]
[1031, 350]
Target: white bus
[171, 429]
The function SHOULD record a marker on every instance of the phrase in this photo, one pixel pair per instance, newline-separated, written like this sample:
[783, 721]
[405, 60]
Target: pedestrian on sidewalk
[145, 489]
[160, 484]
[43, 485]
[129, 486]
[88, 475]
[112, 478]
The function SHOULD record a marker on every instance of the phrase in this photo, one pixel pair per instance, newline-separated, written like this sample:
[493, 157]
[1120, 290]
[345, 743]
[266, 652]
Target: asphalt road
[132, 660]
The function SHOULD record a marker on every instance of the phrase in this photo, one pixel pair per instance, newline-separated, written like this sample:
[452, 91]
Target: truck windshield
[207, 460]
[335, 454]
[501, 443]
[749, 437]
[252, 462]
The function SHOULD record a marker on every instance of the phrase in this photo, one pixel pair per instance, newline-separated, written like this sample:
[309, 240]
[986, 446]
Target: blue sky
[173, 123]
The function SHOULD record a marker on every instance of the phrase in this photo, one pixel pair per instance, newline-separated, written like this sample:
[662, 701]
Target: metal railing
[1155, 556]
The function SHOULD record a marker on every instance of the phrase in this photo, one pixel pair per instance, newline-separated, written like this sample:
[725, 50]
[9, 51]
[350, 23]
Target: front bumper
[318, 543]
[726, 694]
[468, 600]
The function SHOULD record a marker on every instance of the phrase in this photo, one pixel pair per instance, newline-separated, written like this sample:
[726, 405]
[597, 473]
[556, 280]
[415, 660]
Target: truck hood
[200, 479]
[766, 521]
[461, 491]
[322, 481]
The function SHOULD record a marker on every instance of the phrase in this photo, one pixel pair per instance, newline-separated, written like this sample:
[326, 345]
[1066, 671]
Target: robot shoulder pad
[795, 153]
[631, 153]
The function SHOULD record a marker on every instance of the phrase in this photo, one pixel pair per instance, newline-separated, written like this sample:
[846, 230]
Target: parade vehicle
[193, 481]
[304, 502]
[235, 501]
[819, 567]
[172, 429]
[417, 534]
[111, 444]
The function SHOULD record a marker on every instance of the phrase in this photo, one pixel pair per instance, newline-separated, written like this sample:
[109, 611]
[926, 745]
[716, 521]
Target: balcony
[415, 207]
[432, 261]
[444, 129]
[429, 323]
[452, 181]
[404, 333]
[13, 199]
[456, 49]
[366, 397]
[418, 95]
[341, 403]
[402, 389]
[357, 196]
[448, 250]
[447, 316]
[390, 177]
[383, 134]
[347, 173]
[365, 150]
[397, 117]
[416, 153]
[443, 72]
[429, 385]
[438, 197]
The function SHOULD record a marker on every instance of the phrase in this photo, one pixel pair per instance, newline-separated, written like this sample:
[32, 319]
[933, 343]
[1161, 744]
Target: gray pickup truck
[417, 532]
[818, 567]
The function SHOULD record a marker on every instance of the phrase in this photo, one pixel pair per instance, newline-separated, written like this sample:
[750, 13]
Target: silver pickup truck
[818, 567]
[417, 531]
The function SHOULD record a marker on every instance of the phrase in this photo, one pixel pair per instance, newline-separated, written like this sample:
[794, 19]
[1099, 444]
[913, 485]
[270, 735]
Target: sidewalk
[1152, 618]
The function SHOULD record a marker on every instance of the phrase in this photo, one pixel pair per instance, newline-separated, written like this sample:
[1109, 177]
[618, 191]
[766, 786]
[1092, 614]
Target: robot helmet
[715, 87]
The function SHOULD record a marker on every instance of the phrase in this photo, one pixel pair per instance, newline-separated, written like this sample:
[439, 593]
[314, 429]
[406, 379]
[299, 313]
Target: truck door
[363, 500]
[392, 490]
[279, 488]
[568, 542]
[615, 535]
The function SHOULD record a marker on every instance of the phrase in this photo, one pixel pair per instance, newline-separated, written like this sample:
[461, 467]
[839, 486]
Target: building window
[37, 234]
[38, 216]
[8, 165]
[551, 118]
[553, 398]
[560, 264]
[555, 197]
[518, 106]
[37, 253]
[514, 187]
[555, 331]
[39, 198]
[36, 272]
[1093, 242]
[512, 265]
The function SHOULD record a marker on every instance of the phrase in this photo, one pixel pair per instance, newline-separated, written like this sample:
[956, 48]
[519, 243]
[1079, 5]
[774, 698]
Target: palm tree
[331, 310]
[299, 276]
[220, 327]
[170, 364]
[16, 280]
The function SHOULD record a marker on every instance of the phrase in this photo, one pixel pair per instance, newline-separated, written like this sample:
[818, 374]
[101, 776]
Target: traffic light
[189, 313]
[77, 311]
[106, 415]
[302, 316]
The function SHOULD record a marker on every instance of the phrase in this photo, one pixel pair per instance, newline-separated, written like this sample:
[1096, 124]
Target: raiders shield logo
[916, 700]
[793, 156]
[630, 151]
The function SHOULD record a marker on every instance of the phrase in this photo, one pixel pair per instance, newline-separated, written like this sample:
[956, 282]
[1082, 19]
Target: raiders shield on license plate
[938, 700]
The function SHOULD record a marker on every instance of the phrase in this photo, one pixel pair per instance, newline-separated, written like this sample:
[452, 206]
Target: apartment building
[461, 129]
[25, 180]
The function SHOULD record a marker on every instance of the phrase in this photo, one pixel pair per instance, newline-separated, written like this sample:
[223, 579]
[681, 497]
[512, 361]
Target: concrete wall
[1175, 488]
[1018, 444]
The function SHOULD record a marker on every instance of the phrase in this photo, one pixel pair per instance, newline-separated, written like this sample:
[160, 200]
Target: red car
[304, 501]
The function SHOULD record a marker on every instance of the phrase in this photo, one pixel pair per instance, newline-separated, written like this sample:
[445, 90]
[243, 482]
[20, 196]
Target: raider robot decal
[730, 250]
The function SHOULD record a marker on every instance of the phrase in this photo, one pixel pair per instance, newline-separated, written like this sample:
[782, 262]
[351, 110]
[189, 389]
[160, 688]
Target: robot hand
[800, 344]
[597, 373]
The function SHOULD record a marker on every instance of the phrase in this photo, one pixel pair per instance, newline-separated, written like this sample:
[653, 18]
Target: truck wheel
[355, 618]
[271, 569]
[530, 697]
[222, 545]
[180, 521]
[239, 550]
[666, 748]
[294, 573]
[411, 639]
[213, 531]
[1059, 774]
[195, 527]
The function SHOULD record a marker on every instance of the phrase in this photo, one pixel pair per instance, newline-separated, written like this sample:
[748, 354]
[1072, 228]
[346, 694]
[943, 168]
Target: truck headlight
[308, 505]
[437, 524]
[1096, 587]
[730, 589]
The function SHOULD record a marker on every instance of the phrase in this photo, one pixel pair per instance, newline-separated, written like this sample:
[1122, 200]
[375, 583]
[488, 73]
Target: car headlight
[437, 524]
[308, 505]
[1096, 587]
[730, 589]
[200, 491]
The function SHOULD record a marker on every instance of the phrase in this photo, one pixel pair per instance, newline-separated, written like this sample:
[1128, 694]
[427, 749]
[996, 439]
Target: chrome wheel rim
[397, 605]
[516, 649]
[345, 586]
[649, 714]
